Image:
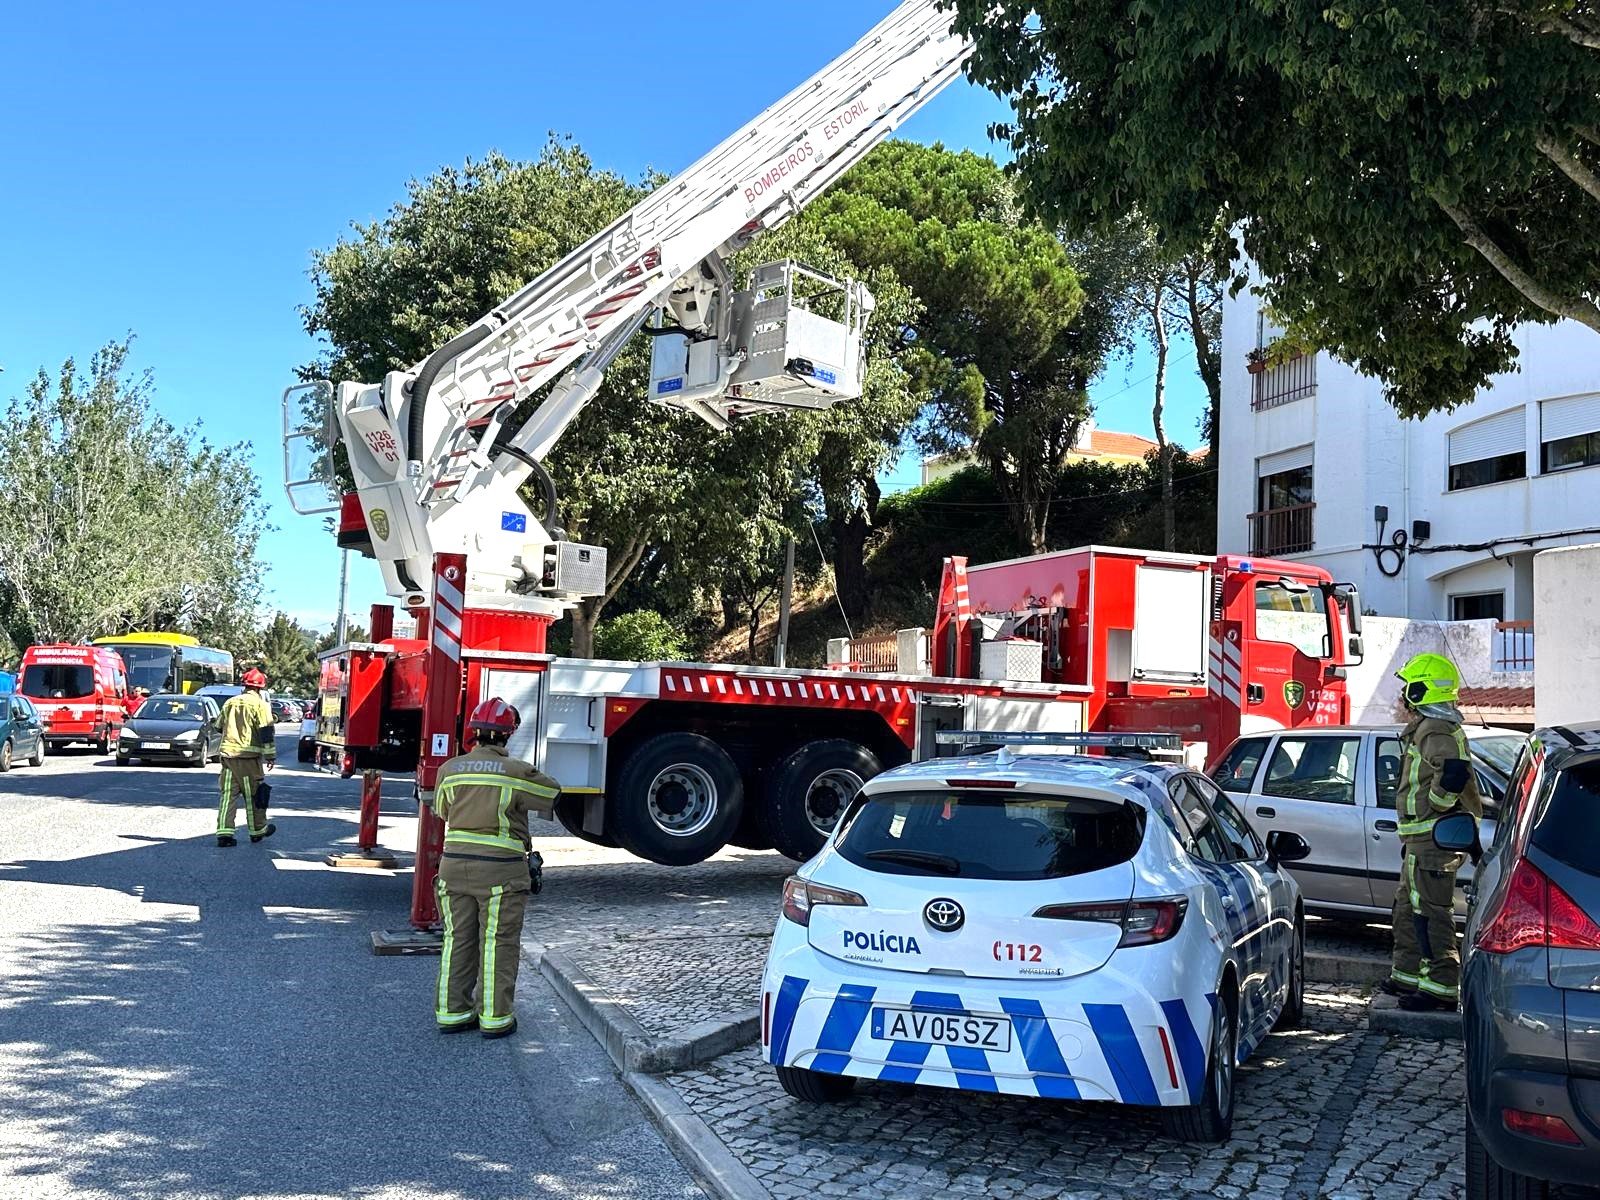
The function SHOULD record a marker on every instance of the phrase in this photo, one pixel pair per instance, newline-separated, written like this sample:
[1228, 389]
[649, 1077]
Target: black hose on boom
[423, 383]
[552, 513]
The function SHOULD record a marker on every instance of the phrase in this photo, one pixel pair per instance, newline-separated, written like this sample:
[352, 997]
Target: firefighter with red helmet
[248, 752]
[484, 797]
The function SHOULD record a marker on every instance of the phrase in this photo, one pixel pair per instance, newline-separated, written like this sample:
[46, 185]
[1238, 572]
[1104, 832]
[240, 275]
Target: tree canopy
[114, 519]
[1413, 178]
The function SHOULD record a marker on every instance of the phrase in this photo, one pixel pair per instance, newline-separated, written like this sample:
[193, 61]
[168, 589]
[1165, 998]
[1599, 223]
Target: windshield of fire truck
[1296, 615]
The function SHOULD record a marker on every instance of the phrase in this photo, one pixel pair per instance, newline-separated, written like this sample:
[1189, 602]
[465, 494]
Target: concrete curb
[1346, 968]
[630, 1046]
[693, 1140]
[1386, 1016]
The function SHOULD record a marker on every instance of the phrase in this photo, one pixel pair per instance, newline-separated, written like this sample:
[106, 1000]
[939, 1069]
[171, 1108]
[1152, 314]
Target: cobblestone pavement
[1319, 1114]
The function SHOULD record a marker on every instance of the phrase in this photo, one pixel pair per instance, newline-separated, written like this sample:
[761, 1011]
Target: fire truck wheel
[677, 800]
[809, 791]
[569, 811]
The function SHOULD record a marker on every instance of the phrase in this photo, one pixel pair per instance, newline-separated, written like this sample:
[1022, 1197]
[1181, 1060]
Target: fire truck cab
[1204, 647]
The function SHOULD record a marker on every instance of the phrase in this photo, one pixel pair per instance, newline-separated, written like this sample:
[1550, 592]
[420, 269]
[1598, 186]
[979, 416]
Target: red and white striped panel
[447, 605]
[1223, 678]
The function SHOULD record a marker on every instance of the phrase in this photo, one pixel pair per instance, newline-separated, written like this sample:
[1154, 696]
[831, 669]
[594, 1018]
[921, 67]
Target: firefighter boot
[502, 1031]
[226, 839]
[266, 832]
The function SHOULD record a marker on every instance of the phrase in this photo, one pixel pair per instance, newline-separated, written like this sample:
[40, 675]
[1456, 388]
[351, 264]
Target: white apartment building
[1436, 519]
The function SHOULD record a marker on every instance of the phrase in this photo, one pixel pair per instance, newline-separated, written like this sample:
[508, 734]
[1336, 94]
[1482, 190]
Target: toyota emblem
[944, 914]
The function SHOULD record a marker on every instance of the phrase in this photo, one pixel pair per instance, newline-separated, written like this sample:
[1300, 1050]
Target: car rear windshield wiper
[942, 863]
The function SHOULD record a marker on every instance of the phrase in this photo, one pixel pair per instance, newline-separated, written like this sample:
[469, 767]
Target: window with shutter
[1569, 432]
[1490, 450]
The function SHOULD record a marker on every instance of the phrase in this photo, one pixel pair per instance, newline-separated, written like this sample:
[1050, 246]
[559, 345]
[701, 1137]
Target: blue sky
[169, 168]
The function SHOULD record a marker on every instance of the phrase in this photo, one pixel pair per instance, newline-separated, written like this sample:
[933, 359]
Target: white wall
[1566, 586]
[1391, 642]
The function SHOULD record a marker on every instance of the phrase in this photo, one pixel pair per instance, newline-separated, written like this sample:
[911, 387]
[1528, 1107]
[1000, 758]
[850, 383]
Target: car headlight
[188, 736]
[127, 733]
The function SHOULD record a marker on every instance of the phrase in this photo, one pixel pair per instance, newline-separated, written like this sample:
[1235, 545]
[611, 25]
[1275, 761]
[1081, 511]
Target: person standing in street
[484, 797]
[1436, 780]
[249, 750]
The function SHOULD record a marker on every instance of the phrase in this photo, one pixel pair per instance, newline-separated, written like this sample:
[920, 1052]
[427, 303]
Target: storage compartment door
[1169, 624]
[524, 691]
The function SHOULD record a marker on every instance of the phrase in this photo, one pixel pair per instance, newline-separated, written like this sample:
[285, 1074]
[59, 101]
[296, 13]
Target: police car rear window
[983, 835]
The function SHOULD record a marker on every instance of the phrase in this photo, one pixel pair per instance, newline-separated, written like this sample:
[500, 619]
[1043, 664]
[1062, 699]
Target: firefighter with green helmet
[485, 797]
[1436, 780]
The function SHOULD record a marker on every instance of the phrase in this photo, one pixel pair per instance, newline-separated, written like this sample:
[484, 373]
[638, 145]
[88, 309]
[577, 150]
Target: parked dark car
[286, 711]
[1531, 981]
[172, 728]
[21, 732]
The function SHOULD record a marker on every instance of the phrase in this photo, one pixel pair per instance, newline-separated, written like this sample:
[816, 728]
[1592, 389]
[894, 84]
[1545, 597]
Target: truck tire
[677, 798]
[569, 812]
[809, 790]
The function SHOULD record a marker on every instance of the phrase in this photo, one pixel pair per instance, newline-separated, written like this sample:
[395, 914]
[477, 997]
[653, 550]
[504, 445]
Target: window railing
[877, 653]
[1281, 530]
[1273, 384]
[1513, 646]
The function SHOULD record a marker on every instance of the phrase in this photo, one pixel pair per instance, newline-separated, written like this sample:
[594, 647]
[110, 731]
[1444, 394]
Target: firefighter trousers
[1427, 956]
[241, 783]
[482, 900]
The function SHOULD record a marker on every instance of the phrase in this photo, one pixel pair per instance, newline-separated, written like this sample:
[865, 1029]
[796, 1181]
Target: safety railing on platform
[1513, 646]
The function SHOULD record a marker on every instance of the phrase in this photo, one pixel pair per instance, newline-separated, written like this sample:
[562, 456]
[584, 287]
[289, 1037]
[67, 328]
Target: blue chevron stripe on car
[1052, 1079]
[839, 1032]
[783, 1011]
[1123, 1055]
[966, 1060]
[1191, 1054]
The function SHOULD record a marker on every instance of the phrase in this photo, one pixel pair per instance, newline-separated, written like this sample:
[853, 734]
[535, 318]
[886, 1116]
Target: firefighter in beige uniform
[484, 798]
[1436, 780]
[248, 746]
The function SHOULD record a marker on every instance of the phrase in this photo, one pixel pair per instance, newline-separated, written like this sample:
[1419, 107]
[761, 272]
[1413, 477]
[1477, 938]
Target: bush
[642, 636]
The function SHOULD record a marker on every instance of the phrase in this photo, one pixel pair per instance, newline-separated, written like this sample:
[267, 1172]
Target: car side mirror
[1458, 833]
[1284, 846]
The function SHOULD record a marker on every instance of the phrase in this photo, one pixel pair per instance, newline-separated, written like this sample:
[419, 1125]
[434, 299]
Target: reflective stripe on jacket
[1429, 743]
[484, 799]
[247, 727]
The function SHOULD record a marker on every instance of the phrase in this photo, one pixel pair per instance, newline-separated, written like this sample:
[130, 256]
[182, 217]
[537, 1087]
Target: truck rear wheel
[809, 790]
[569, 811]
[678, 798]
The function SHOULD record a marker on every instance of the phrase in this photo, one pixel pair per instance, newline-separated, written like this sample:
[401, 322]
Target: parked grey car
[1530, 989]
[1335, 786]
[172, 728]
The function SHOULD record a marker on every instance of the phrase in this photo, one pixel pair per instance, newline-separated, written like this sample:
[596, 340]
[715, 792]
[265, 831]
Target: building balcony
[1272, 384]
[1277, 531]
[1513, 646]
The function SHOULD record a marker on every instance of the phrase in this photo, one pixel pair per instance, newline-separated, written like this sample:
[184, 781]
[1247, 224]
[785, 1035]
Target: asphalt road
[181, 1021]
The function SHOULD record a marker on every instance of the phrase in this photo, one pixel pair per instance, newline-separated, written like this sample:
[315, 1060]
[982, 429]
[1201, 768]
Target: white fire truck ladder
[436, 469]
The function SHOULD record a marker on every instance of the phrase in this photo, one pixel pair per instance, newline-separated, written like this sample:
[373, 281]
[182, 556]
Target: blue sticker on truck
[669, 385]
[512, 522]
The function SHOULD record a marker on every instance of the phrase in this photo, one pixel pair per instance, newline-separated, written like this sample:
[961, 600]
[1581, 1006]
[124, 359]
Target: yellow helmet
[1430, 679]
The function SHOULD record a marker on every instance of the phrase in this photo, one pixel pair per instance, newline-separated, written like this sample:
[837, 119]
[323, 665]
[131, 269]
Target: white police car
[1067, 926]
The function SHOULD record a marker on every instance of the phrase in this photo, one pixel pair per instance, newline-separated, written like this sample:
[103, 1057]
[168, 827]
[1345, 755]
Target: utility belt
[534, 859]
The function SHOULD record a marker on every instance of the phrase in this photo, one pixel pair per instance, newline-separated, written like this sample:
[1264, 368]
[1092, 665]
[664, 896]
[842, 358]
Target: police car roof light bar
[1112, 741]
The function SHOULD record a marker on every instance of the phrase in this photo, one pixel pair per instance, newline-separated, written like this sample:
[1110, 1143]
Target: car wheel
[569, 812]
[810, 789]
[1294, 1005]
[5, 756]
[1212, 1119]
[37, 757]
[678, 797]
[814, 1087]
[1488, 1180]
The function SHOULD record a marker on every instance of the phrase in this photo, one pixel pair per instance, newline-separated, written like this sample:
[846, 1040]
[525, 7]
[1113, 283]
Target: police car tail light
[800, 897]
[1533, 911]
[1143, 922]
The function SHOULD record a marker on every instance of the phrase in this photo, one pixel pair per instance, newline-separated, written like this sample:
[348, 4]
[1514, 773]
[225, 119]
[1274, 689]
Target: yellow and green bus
[170, 662]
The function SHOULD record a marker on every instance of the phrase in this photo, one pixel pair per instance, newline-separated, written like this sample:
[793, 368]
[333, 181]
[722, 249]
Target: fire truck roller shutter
[808, 791]
[677, 799]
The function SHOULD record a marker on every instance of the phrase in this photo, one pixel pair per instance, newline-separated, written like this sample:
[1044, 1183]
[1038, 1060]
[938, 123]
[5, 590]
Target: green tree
[287, 656]
[1413, 178]
[1003, 343]
[115, 519]
[640, 636]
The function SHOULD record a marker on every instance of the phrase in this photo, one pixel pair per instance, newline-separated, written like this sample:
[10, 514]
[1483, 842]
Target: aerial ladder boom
[435, 465]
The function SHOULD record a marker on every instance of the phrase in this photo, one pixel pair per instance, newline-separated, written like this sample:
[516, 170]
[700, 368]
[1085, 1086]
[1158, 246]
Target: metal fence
[1284, 382]
[1281, 530]
[1513, 646]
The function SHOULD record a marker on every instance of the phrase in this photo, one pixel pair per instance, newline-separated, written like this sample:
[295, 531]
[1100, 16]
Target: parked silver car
[1335, 786]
